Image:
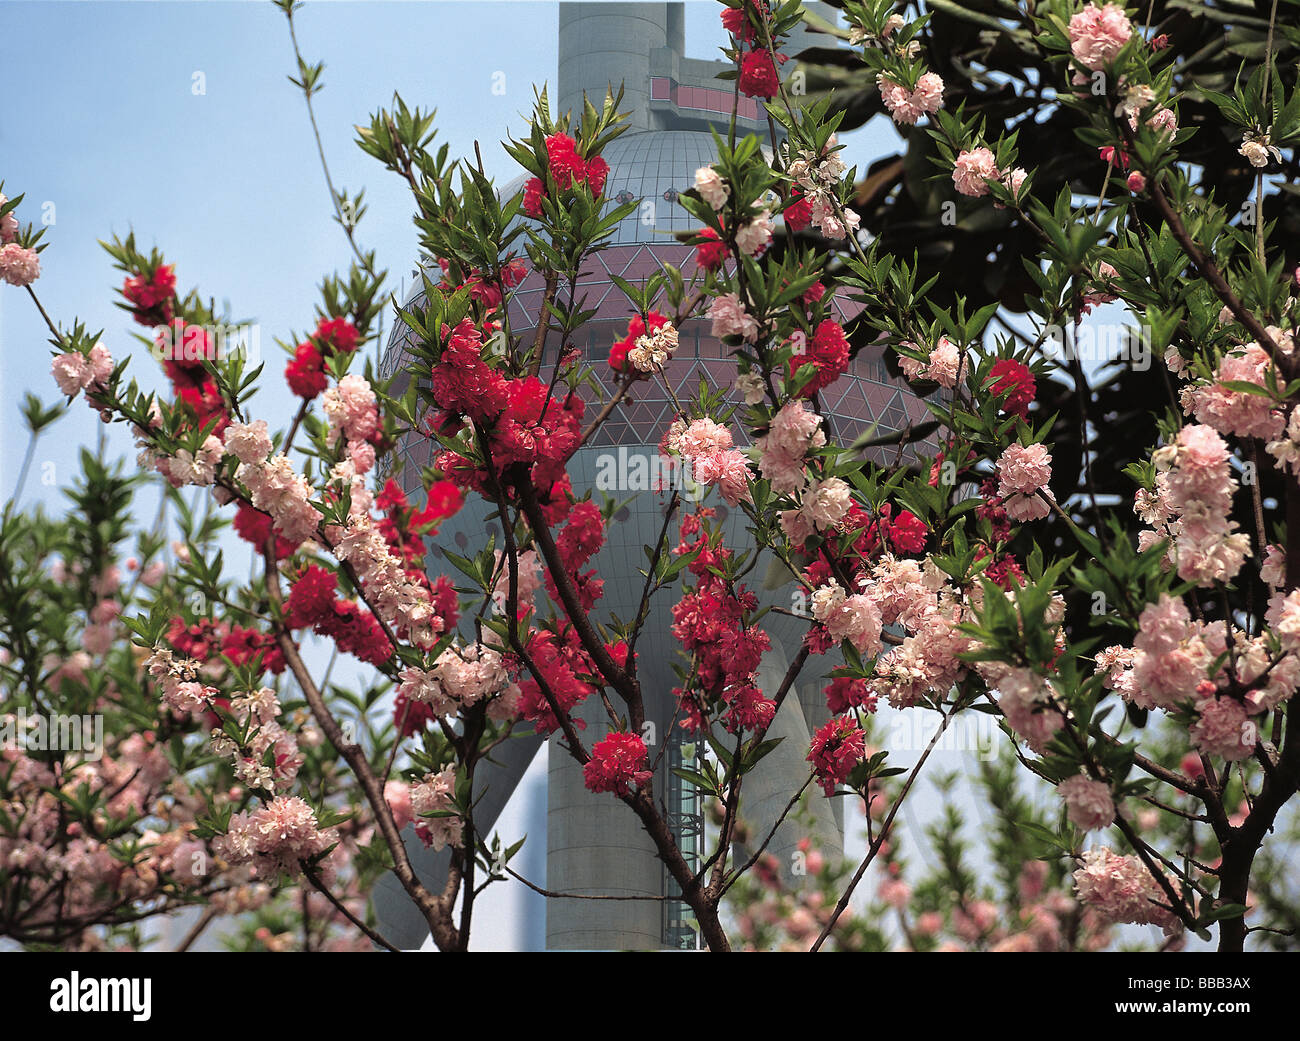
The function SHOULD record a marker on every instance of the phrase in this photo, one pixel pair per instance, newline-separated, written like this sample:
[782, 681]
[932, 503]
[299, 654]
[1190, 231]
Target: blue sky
[112, 133]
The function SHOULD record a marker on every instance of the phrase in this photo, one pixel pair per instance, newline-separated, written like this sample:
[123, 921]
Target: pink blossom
[399, 599]
[470, 674]
[826, 502]
[434, 795]
[928, 923]
[711, 186]
[101, 365]
[1286, 449]
[1195, 487]
[1121, 889]
[351, 408]
[8, 223]
[704, 437]
[248, 442]
[827, 218]
[902, 592]
[276, 488]
[905, 106]
[944, 366]
[1231, 411]
[856, 619]
[276, 838]
[361, 454]
[796, 526]
[894, 892]
[1098, 34]
[72, 373]
[527, 580]
[1223, 728]
[973, 170]
[1283, 616]
[192, 467]
[189, 862]
[912, 367]
[755, 236]
[1013, 180]
[731, 319]
[1170, 657]
[398, 796]
[19, 266]
[1027, 701]
[1022, 472]
[75, 372]
[729, 470]
[793, 432]
[1273, 570]
[1088, 802]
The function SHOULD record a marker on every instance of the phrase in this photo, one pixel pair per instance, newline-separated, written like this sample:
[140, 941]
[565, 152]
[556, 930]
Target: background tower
[595, 844]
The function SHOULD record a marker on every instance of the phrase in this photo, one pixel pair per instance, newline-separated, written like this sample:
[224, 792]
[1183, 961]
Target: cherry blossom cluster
[975, 169]
[817, 177]
[749, 24]
[305, 373]
[711, 623]
[1190, 505]
[617, 764]
[567, 169]
[648, 346]
[431, 801]
[19, 265]
[275, 839]
[1122, 889]
[710, 451]
[460, 678]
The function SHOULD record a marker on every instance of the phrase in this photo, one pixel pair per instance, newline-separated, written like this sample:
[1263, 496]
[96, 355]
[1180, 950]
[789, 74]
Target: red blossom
[828, 352]
[758, 76]
[337, 335]
[798, 212]
[151, 297]
[249, 646]
[836, 749]
[566, 165]
[534, 192]
[1013, 378]
[305, 372]
[1109, 153]
[411, 717]
[597, 171]
[254, 527]
[846, 692]
[907, 534]
[463, 383]
[712, 253]
[616, 764]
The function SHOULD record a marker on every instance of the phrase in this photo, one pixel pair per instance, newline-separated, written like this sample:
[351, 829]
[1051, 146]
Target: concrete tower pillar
[608, 44]
[595, 845]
